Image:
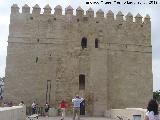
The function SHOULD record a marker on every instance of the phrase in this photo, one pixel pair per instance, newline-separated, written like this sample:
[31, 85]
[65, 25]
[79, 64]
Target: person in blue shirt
[76, 106]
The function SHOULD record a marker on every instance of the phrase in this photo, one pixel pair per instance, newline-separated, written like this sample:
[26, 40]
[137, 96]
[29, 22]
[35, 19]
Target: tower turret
[129, 17]
[119, 16]
[47, 9]
[100, 14]
[26, 9]
[14, 9]
[79, 12]
[138, 18]
[58, 10]
[69, 10]
[147, 19]
[90, 13]
[36, 10]
[110, 16]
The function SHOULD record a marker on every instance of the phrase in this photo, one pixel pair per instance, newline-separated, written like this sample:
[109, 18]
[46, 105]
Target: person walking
[63, 106]
[152, 110]
[33, 107]
[76, 106]
[46, 109]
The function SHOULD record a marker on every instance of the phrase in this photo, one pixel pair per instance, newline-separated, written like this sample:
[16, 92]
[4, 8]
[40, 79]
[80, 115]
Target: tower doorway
[82, 90]
[82, 108]
[48, 92]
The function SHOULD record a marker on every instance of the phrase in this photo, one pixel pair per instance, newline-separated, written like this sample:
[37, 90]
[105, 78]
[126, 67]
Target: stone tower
[107, 60]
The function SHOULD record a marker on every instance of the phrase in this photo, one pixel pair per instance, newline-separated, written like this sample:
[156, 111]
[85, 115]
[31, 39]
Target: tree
[2, 78]
[156, 95]
[1, 87]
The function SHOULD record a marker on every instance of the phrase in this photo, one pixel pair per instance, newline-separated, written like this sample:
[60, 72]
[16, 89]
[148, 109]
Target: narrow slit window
[84, 42]
[81, 82]
[96, 43]
[38, 40]
[36, 59]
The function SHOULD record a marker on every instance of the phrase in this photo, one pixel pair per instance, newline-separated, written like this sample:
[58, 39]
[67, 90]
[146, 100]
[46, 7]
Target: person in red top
[63, 107]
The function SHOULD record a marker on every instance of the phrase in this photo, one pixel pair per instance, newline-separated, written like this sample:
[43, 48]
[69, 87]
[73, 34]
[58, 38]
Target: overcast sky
[143, 8]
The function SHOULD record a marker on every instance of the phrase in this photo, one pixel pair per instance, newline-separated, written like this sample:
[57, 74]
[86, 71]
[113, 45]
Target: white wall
[13, 113]
[127, 114]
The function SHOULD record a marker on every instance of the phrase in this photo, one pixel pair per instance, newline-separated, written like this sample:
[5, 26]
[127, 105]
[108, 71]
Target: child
[46, 109]
[62, 107]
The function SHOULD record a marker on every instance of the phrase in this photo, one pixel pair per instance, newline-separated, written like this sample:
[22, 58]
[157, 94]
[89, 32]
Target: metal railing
[39, 110]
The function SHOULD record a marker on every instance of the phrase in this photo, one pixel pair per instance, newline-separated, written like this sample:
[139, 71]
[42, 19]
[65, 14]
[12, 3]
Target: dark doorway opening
[48, 92]
[82, 88]
[82, 108]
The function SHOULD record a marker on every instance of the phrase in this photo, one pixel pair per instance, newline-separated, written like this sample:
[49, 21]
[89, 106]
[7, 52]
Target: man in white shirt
[33, 108]
[76, 106]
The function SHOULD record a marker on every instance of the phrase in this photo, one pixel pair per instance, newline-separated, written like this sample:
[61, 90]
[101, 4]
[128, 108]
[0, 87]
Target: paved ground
[70, 118]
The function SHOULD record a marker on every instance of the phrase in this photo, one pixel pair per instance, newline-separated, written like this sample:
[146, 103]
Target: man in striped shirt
[76, 106]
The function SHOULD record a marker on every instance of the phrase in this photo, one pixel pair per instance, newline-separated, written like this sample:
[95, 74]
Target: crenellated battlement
[109, 16]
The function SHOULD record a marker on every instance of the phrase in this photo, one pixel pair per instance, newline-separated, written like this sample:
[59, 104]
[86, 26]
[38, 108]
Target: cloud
[156, 74]
[4, 20]
[3, 54]
[1, 2]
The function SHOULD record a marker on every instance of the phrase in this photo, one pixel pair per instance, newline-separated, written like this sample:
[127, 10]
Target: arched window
[81, 82]
[96, 43]
[84, 42]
